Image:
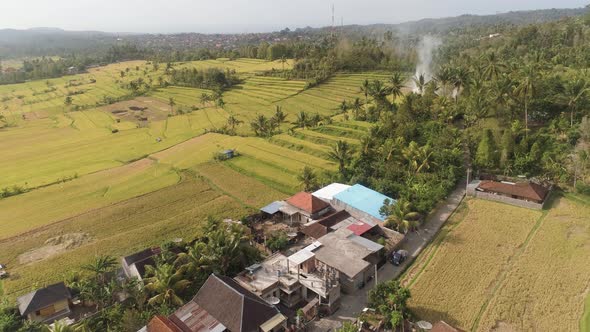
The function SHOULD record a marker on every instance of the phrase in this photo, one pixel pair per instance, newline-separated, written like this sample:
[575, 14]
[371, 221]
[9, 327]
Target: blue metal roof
[364, 199]
[273, 207]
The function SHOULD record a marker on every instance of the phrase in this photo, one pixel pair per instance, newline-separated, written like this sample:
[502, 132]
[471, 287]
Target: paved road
[414, 243]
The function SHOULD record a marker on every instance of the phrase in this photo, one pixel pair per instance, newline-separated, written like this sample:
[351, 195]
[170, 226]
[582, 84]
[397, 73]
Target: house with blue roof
[361, 202]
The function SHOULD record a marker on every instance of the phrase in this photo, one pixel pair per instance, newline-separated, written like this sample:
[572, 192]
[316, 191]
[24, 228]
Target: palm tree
[193, 261]
[460, 80]
[356, 108]
[232, 122]
[100, 266]
[401, 217]
[365, 88]
[420, 83]
[574, 93]
[307, 178]
[417, 157]
[279, 116]
[493, 68]
[225, 249]
[396, 84]
[378, 90]
[445, 78]
[259, 125]
[525, 89]
[283, 60]
[165, 284]
[172, 103]
[62, 326]
[341, 153]
[343, 106]
[303, 120]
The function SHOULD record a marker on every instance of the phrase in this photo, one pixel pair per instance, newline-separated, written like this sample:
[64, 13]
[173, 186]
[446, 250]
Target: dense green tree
[486, 151]
[342, 154]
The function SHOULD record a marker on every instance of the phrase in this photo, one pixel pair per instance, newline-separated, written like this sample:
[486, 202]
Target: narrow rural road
[414, 243]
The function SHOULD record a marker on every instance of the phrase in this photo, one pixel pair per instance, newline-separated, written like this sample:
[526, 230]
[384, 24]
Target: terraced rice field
[482, 271]
[119, 229]
[117, 191]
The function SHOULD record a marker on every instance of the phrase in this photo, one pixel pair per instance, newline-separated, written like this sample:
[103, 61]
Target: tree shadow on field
[453, 238]
[434, 316]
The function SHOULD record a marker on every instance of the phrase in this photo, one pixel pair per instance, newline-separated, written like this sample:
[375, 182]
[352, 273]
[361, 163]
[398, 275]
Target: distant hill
[55, 41]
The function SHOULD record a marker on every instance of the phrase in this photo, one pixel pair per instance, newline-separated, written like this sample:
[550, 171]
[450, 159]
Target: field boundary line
[512, 262]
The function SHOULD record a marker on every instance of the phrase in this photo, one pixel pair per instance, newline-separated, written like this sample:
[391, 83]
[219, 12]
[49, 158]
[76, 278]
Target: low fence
[507, 200]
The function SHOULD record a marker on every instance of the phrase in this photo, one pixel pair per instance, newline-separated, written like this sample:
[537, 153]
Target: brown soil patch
[54, 246]
[140, 110]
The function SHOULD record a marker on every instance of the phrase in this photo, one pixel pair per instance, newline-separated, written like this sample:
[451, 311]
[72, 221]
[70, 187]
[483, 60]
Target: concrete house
[361, 202]
[303, 207]
[47, 304]
[134, 265]
[525, 194]
[221, 305]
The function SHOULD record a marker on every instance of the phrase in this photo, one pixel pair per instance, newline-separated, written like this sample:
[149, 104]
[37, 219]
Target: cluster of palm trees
[264, 126]
[176, 275]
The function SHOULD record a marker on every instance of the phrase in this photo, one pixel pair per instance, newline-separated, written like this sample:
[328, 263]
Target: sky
[239, 16]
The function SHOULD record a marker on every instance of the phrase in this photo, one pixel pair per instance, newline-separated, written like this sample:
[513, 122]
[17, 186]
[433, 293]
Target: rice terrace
[430, 175]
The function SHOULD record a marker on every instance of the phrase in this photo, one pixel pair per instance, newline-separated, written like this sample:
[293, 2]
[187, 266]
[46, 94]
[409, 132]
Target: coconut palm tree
[493, 68]
[171, 103]
[357, 108]
[100, 266]
[418, 157]
[165, 284]
[343, 106]
[303, 120]
[396, 84]
[260, 125]
[232, 122]
[279, 116]
[225, 249]
[365, 88]
[194, 262]
[341, 153]
[205, 98]
[307, 178]
[574, 93]
[420, 83]
[525, 89]
[401, 217]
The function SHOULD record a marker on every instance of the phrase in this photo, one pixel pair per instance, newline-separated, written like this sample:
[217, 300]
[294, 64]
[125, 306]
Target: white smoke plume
[428, 44]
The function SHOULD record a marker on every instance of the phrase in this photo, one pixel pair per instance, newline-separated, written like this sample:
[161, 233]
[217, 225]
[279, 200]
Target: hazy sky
[240, 15]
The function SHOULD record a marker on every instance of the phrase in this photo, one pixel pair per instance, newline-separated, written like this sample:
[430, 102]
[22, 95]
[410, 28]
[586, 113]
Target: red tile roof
[527, 190]
[359, 228]
[307, 202]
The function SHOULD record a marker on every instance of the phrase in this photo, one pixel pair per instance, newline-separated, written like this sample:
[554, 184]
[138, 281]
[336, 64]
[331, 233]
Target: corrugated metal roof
[273, 207]
[364, 199]
[300, 256]
[327, 192]
[370, 245]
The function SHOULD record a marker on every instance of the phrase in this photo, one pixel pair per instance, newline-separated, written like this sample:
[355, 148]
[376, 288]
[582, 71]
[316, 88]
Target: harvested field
[461, 274]
[547, 288]
[483, 273]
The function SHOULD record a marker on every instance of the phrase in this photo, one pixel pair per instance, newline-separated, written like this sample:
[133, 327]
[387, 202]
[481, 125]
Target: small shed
[228, 154]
